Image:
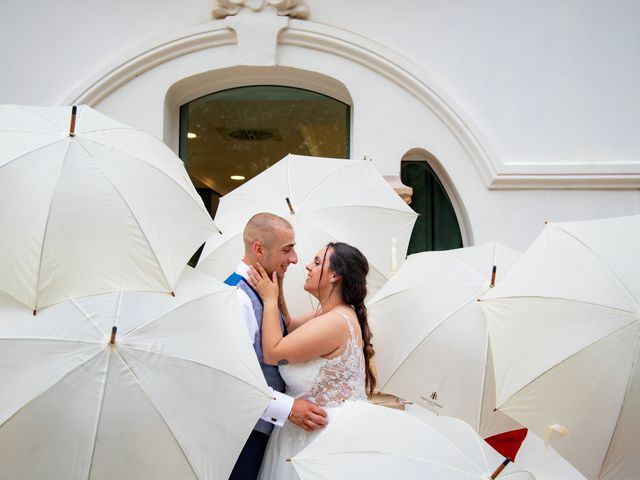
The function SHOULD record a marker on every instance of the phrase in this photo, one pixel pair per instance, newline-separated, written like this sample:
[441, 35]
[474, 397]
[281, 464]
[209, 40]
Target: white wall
[544, 86]
[545, 81]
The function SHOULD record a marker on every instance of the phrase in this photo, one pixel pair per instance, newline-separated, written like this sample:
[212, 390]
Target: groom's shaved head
[262, 228]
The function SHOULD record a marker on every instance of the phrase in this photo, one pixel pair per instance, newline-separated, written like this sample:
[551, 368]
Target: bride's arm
[313, 339]
[291, 322]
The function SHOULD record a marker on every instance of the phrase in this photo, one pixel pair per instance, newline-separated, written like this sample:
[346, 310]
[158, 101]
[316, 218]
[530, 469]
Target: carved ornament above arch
[286, 8]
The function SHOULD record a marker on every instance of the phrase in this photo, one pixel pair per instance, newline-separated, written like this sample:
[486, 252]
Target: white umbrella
[106, 208]
[325, 200]
[430, 334]
[533, 456]
[564, 329]
[174, 397]
[371, 442]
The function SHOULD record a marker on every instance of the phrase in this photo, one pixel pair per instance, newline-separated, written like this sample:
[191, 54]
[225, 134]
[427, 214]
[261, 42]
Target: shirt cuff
[278, 409]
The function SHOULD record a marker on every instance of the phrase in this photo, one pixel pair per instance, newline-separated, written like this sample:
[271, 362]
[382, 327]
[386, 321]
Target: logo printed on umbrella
[431, 400]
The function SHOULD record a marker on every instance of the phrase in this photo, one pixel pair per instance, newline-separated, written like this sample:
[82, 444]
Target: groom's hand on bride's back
[307, 415]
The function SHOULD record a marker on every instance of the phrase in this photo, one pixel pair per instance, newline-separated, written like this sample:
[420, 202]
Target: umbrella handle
[498, 470]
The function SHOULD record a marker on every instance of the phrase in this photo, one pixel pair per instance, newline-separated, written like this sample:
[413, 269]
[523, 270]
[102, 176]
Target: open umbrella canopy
[326, 200]
[372, 442]
[565, 330]
[90, 205]
[174, 397]
[431, 337]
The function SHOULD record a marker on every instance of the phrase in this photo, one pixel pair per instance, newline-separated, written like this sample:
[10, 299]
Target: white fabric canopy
[333, 200]
[174, 398]
[371, 442]
[431, 337]
[565, 330]
[111, 208]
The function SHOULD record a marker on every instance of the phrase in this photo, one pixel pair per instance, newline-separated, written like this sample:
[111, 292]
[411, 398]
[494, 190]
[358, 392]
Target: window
[228, 137]
[437, 226]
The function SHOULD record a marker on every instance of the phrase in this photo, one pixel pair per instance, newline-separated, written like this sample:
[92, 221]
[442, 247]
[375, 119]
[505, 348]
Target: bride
[326, 355]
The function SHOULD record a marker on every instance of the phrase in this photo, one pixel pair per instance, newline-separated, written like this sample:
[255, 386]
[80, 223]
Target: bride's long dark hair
[352, 266]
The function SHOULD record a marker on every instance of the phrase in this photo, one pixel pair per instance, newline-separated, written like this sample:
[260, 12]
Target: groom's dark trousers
[248, 464]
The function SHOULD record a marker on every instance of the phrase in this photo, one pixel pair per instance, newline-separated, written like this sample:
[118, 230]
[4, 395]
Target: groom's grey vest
[270, 372]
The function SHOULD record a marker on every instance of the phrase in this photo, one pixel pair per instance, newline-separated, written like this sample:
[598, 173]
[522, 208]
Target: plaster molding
[156, 52]
[286, 8]
[496, 173]
[257, 36]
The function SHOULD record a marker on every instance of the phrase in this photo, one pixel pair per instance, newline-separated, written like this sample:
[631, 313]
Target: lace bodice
[329, 381]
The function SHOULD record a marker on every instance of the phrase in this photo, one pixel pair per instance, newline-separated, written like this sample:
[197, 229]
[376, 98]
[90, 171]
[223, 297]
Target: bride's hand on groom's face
[266, 287]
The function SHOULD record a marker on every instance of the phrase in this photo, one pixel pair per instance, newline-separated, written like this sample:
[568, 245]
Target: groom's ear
[258, 250]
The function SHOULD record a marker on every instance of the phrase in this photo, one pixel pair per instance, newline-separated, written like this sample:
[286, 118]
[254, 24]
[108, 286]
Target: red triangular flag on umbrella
[508, 443]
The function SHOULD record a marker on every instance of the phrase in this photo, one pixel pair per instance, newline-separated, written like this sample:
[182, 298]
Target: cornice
[157, 52]
[423, 86]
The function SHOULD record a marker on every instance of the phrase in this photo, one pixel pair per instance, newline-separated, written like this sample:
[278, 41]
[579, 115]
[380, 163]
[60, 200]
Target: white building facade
[526, 111]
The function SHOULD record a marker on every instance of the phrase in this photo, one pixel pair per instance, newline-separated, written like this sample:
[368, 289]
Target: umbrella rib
[48, 120]
[53, 384]
[75, 341]
[558, 363]
[41, 147]
[98, 417]
[88, 317]
[132, 214]
[46, 227]
[363, 205]
[142, 160]
[160, 315]
[202, 259]
[253, 199]
[137, 380]
[394, 454]
[626, 392]
[568, 300]
[84, 132]
[606, 266]
[194, 362]
[408, 289]
[323, 181]
[444, 319]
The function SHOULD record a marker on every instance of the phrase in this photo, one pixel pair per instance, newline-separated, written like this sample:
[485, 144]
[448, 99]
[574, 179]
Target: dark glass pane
[437, 226]
[242, 131]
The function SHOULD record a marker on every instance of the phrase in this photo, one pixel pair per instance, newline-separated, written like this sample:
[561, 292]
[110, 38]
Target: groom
[269, 240]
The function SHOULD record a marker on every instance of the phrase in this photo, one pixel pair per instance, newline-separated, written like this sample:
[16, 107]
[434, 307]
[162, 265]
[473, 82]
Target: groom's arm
[303, 413]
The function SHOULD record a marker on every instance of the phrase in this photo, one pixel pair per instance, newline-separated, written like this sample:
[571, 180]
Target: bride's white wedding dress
[328, 382]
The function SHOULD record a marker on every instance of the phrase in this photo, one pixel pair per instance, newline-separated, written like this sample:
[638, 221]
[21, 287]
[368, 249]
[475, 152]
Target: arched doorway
[230, 136]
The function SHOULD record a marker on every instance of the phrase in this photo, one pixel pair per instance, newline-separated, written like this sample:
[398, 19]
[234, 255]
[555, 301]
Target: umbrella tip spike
[493, 277]
[34, 312]
[173, 294]
[291, 210]
[72, 127]
[114, 330]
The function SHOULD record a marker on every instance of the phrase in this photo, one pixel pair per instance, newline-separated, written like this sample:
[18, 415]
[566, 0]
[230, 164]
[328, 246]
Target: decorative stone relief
[257, 27]
[285, 8]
